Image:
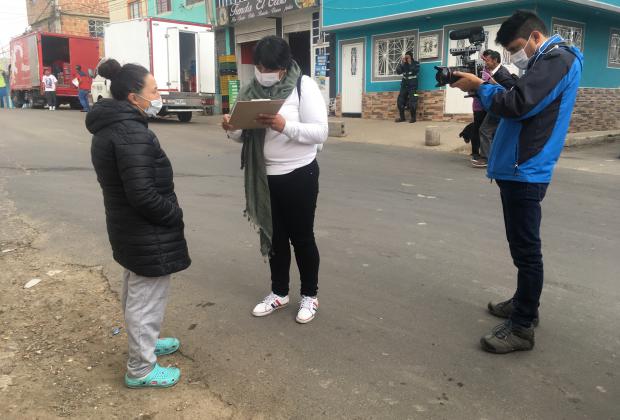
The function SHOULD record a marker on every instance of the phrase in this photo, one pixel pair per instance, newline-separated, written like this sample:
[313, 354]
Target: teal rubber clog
[166, 346]
[160, 377]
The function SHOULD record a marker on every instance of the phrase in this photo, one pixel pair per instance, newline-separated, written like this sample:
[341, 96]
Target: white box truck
[180, 55]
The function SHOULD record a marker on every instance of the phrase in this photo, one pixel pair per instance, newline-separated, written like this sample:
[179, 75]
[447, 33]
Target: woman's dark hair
[273, 53]
[493, 54]
[520, 25]
[125, 80]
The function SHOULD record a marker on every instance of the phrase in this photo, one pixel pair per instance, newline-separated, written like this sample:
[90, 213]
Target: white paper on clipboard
[244, 113]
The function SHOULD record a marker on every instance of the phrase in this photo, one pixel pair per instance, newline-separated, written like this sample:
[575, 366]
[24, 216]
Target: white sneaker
[270, 304]
[307, 309]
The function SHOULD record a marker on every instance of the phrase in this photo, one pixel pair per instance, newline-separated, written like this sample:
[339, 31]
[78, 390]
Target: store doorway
[300, 48]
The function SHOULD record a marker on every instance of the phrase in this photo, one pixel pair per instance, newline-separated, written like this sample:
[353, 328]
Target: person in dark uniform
[409, 68]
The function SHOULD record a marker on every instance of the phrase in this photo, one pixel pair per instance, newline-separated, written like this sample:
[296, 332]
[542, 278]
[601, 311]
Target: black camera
[477, 37]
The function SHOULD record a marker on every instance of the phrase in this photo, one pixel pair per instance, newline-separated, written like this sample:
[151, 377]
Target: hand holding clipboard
[254, 114]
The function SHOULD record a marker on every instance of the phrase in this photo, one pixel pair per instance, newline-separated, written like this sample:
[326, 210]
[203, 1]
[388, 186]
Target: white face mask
[266, 79]
[154, 108]
[520, 58]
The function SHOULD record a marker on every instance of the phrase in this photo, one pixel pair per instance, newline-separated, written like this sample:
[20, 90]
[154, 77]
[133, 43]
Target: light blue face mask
[154, 106]
[520, 58]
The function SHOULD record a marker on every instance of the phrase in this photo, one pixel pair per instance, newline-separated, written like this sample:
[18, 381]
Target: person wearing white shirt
[49, 82]
[291, 141]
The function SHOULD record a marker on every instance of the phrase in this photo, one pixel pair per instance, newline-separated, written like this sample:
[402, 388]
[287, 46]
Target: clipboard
[244, 113]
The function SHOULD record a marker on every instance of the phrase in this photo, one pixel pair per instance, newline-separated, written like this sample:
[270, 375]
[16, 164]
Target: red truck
[34, 52]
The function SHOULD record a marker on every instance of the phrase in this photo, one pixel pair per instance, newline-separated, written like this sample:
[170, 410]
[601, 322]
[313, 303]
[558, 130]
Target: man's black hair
[273, 53]
[520, 25]
[410, 54]
[493, 54]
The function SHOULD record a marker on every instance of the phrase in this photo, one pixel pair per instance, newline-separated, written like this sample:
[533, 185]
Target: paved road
[412, 248]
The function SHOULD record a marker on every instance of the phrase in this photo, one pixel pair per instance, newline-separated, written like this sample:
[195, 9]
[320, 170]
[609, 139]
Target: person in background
[84, 84]
[49, 83]
[282, 174]
[535, 116]
[143, 217]
[4, 90]
[494, 72]
[408, 95]
[479, 115]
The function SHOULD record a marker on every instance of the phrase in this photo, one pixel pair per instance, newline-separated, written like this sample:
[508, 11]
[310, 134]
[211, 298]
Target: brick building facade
[595, 109]
[72, 17]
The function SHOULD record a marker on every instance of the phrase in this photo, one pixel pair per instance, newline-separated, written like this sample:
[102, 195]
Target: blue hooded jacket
[535, 114]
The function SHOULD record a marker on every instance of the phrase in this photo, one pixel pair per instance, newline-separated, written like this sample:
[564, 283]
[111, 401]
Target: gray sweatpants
[487, 132]
[144, 303]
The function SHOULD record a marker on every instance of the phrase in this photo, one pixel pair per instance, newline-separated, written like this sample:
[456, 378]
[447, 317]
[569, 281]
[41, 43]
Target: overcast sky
[13, 20]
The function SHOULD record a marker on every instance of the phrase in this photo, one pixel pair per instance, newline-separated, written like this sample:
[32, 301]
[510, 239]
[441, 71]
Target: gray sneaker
[508, 337]
[504, 310]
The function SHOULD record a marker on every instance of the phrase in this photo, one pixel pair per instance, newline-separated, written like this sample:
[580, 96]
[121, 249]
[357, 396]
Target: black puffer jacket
[144, 220]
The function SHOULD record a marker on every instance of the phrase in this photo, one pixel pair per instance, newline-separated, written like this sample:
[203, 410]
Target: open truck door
[206, 59]
[174, 63]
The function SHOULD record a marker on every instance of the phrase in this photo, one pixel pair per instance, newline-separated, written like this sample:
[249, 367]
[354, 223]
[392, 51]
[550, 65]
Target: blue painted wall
[598, 24]
[195, 13]
[338, 12]
[596, 46]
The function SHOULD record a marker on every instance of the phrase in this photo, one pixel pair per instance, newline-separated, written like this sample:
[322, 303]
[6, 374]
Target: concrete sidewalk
[405, 134]
[389, 133]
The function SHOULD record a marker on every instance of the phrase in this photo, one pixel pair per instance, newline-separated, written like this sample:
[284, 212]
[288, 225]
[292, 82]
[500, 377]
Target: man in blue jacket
[535, 116]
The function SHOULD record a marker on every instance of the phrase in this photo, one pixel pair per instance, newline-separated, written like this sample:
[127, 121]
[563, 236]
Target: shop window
[95, 28]
[573, 32]
[163, 6]
[613, 58]
[134, 10]
[389, 51]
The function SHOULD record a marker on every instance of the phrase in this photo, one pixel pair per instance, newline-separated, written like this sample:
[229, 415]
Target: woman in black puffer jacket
[144, 220]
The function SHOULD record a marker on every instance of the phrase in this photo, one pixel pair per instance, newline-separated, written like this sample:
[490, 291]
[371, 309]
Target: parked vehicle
[32, 53]
[180, 55]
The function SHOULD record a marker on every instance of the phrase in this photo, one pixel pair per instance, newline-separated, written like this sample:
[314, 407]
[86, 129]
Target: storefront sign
[235, 11]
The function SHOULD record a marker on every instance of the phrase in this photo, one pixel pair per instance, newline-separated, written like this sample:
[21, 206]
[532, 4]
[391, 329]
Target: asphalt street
[412, 248]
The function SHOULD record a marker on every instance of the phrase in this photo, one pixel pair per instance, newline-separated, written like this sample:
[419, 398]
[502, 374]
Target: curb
[591, 138]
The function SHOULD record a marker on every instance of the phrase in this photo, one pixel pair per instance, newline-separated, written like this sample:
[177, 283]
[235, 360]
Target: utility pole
[56, 13]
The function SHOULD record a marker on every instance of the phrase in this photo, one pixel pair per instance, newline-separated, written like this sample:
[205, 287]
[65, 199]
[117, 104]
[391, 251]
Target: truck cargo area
[35, 52]
[187, 56]
[57, 58]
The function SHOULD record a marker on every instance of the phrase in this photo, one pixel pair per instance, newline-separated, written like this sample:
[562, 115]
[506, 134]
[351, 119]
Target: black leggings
[293, 204]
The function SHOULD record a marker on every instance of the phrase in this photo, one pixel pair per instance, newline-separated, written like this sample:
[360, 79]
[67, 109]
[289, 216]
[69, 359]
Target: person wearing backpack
[282, 174]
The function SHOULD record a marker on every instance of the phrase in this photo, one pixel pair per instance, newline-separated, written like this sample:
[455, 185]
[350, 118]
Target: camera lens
[443, 76]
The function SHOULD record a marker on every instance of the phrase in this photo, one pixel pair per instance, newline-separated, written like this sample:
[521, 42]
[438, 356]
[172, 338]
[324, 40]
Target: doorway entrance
[352, 79]
[300, 49]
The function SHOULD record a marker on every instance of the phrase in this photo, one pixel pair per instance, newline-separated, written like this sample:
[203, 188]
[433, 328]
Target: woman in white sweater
[282, 158]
